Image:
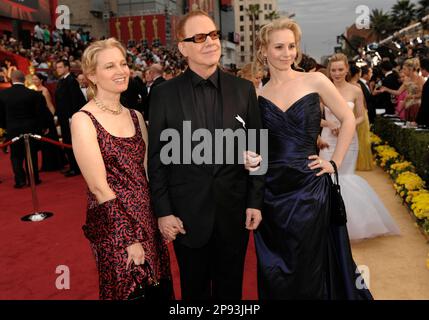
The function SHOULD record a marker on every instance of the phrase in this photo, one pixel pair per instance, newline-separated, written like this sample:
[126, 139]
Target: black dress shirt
[207, 101]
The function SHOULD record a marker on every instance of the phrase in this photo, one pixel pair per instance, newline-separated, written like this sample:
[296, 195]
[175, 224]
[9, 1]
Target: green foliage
[413, 145]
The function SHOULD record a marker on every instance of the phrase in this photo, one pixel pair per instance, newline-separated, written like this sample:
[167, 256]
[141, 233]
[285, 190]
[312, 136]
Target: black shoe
[19, 185]
[64, 171]
[72, 173]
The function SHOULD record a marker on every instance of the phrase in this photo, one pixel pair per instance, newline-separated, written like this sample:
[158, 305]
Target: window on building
[257, 17]
[242, 38]
[241, 8]
[243, 58]
[270, 7]
[241, 18]
[265, 6]
[242, 28]
[242, 48]
[250, 28]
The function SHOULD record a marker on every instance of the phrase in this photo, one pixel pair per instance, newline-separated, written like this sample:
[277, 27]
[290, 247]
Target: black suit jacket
[135, 95]
[68, 98]
[22, 111]
[385, 99]
[369, 99]
[203, 198]
[157, 82]
[423, 115]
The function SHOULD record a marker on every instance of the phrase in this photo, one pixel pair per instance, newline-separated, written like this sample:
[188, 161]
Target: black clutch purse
[152, 289]
[338, 209]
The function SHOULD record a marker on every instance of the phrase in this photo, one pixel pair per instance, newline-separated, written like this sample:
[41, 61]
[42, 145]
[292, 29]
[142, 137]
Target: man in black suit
[390, 80]
[69, 99]
[135, 95]
[208, 209]
[423, 115]
[22, 112]
[156, 73]
[364, 84]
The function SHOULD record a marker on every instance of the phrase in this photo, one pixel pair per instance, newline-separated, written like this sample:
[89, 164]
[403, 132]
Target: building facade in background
[245, 14]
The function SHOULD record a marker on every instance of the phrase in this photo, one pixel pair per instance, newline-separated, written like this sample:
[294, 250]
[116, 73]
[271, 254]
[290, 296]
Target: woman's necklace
[104, 108]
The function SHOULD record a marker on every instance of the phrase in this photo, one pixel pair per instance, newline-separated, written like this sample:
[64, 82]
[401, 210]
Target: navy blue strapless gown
[300, 255]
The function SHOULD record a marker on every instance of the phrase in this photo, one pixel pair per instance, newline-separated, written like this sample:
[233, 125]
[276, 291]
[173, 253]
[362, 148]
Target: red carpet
[30, 252]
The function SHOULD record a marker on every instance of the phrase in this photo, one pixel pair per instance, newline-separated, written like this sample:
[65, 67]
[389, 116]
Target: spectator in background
[69, 99]
[308, 64]
[83, 84]
[168, 74]
[156, 71]
[46, 35]
[423, 115]
[22, 111]
[38, 32]
[390, 81]
[252, 73]
[8, 68]
[366, 75]
[52, 156]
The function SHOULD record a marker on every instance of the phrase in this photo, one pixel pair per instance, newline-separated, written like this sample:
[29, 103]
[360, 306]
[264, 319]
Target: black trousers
[214, 271]
[66, 135]
[18, 158]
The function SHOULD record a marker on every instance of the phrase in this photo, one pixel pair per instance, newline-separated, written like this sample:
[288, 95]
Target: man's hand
[253, 218]
[170, 226]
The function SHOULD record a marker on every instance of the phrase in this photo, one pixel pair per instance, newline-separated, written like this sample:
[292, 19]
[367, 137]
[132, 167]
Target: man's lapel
[186, 97]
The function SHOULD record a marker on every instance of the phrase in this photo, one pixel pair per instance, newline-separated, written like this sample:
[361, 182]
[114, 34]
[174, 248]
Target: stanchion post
[36, 215]
[31, 172]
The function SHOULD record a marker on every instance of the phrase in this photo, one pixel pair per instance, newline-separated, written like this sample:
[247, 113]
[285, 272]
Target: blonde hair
[412, 63]
[336, 58]
[89, 59]
[279, 24]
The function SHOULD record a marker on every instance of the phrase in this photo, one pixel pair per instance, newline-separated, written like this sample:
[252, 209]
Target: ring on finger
[320, 161]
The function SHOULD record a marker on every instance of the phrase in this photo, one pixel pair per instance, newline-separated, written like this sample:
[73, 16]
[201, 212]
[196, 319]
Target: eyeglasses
[201, 37]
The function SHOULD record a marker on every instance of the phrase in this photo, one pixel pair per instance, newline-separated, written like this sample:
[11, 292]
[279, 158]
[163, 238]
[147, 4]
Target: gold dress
[364, 160]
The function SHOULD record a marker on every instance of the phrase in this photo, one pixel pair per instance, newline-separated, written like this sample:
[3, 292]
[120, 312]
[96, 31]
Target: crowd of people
[120, 102]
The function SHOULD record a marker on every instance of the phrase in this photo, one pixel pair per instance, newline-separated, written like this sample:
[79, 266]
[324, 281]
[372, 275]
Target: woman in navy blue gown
[300, 254]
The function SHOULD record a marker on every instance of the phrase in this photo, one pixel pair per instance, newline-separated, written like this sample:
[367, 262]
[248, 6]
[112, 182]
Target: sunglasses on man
[201, 37]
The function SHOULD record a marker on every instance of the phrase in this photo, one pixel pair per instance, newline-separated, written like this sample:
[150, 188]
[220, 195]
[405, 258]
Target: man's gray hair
[17, 76]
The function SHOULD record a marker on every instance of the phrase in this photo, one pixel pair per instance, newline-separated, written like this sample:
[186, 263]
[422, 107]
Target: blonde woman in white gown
[367, 217]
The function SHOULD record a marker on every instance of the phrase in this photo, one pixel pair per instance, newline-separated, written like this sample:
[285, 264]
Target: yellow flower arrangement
[402, 166]
[386, 155]
[374, 139]
[420, 205]
[406, 182]
[399, 167]
[409, 181]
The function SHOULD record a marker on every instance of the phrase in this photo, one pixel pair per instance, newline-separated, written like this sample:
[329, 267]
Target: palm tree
[423, 9]
[403, 13]
[252, 12]
[381, 24]
[273, 15]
